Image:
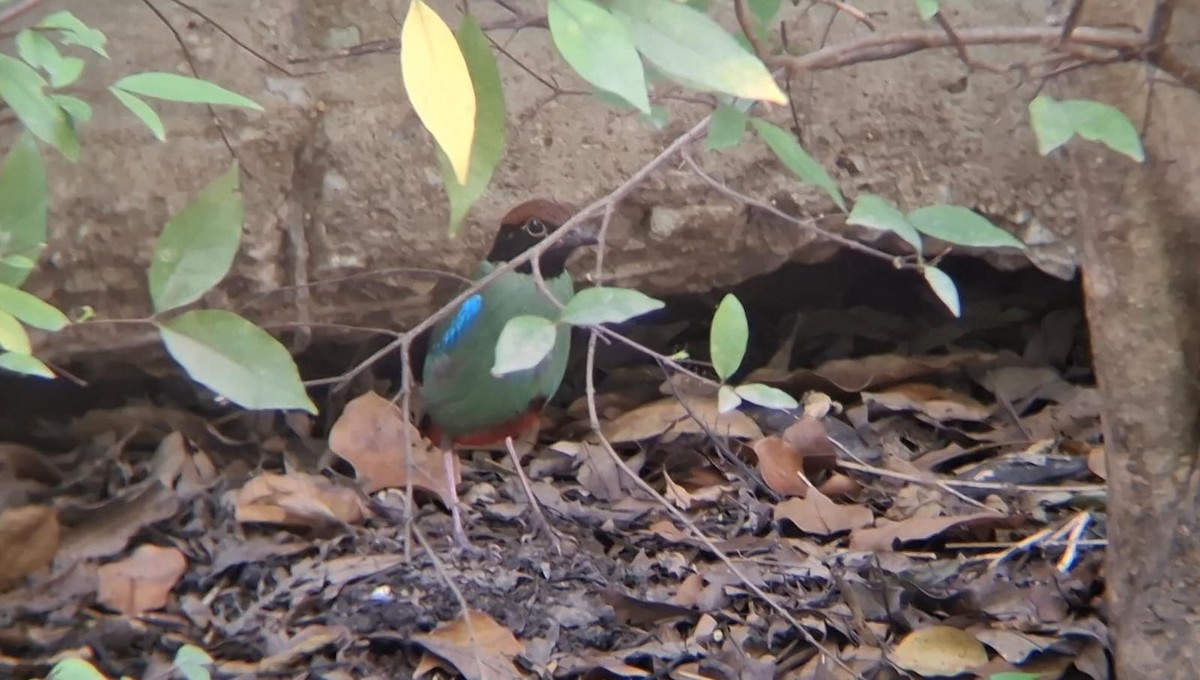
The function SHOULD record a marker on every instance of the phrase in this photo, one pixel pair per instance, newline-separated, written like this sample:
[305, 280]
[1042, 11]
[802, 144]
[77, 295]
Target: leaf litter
[939, 514]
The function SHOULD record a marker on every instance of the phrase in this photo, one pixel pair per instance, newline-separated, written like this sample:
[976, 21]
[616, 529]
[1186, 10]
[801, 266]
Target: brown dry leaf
[297, 499]
[938, 403]
[685, 499]
[939, 651]
[23, 462]
[870, 372]
[781, 466]
[1014, 646]
[142, 581]
[106, 529]
[885, 536]
[176, 466]
[638, 612]
[817, 514]
[370, 436]
[599, 475]
[669, 418]
[1097, 463]
[307, 641]
[481, 649]
[29, 536]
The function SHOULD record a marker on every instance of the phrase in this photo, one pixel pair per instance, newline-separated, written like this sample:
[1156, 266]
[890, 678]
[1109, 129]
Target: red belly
[497, 433]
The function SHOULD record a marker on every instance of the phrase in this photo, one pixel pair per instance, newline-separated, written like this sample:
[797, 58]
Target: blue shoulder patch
[467, 315]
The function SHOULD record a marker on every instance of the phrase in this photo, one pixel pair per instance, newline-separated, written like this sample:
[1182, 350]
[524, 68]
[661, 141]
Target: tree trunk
[1140, 240]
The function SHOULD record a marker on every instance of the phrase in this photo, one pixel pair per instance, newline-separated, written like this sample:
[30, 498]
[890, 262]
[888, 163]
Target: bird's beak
[585, 234]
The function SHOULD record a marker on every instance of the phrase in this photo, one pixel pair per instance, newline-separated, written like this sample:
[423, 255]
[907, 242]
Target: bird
[467, 406]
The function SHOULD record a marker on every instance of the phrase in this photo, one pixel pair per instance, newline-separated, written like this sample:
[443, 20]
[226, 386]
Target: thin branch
[853, 11]
[892, 45]
[237, 41]
[742, 9]
[14, 12]
[530, 255]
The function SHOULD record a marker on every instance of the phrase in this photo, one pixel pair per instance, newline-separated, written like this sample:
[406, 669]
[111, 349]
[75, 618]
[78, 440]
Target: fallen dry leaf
[297, 499]
[668, 418]
[23, 462]
[939, 651]
[1014, 646]
[478, 646]
[936, 402]
[781, 466]
[1097, 463]
[370, 435]
[887, 535]
[178, 467]
[107, 529]
[686, 499]
[142, 581]
[817, 514]
[304, 643]
[599, 475]
[870, 372]
[29, 535]
[638, 612]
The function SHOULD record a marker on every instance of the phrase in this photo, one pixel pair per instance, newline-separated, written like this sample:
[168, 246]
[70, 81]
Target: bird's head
[529, 224]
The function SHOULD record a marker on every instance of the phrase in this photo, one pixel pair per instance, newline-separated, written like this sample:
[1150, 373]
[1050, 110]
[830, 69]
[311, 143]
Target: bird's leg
[542, 522]
[448, 454]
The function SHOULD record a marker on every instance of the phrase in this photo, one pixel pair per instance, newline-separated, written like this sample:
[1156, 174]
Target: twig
[961, 47]
[809, 224]
[15, 11]
[741, 9]
[535, 252]
[968, 484]
[892, 45]
[538, 514]
[187, 55]
[237, 41]
[440, 569]
[853, 11]
[679, 516]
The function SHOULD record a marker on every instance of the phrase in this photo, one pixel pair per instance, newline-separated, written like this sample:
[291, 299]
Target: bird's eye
[535, 228]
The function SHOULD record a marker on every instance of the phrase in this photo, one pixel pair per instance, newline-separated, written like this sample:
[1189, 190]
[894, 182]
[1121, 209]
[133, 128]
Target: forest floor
[936, 507]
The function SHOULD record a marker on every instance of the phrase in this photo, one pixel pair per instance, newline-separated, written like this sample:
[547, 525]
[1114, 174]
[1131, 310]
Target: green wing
[460, 393]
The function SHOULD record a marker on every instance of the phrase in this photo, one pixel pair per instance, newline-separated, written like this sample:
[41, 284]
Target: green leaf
[13, 336]
[1098, 122]
[72, 31]
[790, 153]
[24, 200]
[30, 310]
[767, 396]
[765, 10]
[193, 662]
[25, 365]
[727, 399]
[1051, 124]
[179, 88]
[600, 305]
[876, 212]
[726, 128]
[487, 148]
[943, 286]
[959, 225]
[197, 245]
[659, 115]
[143, 111]
[79, 110]
[599, 48]
[613, 100]
[235, 359]
[695, 50]
[37, 51]
[927, 9]
[524, 342]
[22, 88]
[728, 337]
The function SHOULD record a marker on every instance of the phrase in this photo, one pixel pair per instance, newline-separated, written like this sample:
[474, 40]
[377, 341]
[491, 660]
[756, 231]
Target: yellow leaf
[438, 83]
